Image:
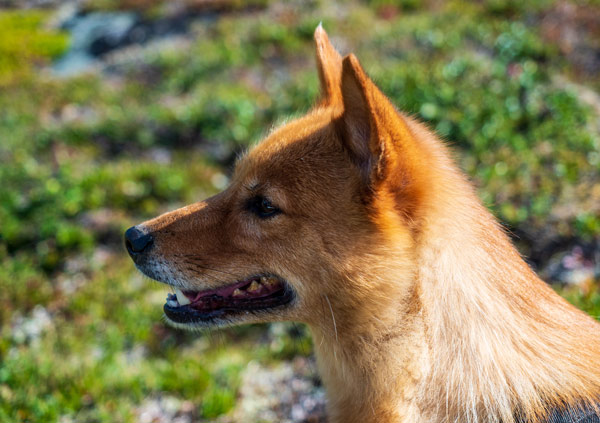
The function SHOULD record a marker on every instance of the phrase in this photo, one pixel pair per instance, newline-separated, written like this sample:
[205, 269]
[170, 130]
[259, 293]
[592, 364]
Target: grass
[81, 159]
[24, 42]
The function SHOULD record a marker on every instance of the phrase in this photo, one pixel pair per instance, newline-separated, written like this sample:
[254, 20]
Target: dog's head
[308, 220]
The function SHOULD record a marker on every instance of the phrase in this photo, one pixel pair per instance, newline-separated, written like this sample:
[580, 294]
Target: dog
[355, 220]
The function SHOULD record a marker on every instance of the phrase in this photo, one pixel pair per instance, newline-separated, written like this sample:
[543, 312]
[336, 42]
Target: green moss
[24, 42]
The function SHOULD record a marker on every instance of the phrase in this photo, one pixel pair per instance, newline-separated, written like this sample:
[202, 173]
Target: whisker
[332, 317]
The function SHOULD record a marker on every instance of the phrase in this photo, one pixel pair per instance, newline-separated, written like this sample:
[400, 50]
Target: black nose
[137, 241]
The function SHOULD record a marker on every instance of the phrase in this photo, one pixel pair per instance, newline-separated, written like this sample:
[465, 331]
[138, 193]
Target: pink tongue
[227, 291]
[224, 291]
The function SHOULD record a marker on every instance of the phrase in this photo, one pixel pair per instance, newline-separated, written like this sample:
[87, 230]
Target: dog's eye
[262, 207]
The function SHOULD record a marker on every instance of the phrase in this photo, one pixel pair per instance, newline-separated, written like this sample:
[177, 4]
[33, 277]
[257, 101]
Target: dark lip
[189, 315]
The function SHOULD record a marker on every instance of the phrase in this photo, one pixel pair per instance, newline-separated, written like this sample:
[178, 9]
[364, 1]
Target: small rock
[165, 409]
[285, 393]
[575, 267]
[30, 329]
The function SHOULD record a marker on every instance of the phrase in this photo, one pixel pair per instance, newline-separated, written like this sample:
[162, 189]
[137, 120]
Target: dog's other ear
[377, 136]
[329, 66]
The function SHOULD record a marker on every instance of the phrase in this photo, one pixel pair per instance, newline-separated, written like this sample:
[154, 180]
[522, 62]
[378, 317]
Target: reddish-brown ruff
[420, 308]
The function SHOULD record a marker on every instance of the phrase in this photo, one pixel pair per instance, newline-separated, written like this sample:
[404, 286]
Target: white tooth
[270, 282]
[183, 300]
[254, 286]
[172, 303]
[238, 293]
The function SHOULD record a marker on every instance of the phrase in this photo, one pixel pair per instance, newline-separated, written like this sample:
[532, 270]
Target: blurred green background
[112, 111]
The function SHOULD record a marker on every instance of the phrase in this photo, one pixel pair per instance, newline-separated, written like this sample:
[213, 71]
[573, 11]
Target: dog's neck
[370, 342]
[371, 367]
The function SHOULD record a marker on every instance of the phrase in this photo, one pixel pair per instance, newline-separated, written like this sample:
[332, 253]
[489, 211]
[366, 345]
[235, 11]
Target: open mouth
[253, 294]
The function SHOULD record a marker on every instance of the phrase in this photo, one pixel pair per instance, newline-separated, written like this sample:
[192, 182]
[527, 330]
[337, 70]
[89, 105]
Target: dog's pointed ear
[329, 66]
[360, 124]
[375, 134]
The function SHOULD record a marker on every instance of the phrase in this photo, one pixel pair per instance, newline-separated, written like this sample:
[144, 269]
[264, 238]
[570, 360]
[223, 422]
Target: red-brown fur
[420, 308]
